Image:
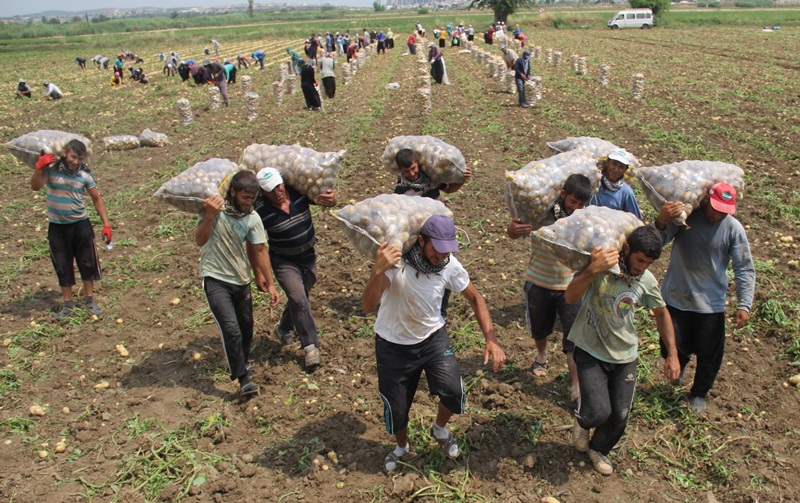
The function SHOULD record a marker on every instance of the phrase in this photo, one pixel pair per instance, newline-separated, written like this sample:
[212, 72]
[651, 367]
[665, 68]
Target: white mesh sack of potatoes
[306, 170]
[686, 181]
[29, 146]
[121, 142]
[442, 162]
[596, 146]
[531, 192]
[573, 238]
[150, 138]
[395, 219]
[187, 190]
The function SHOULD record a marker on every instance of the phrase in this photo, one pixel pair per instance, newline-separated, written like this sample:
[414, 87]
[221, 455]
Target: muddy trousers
[703, 335]
[606, 397]
[296, 278]
[232, 308]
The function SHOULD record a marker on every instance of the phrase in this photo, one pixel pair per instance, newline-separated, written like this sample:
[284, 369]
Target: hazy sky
[12, 8]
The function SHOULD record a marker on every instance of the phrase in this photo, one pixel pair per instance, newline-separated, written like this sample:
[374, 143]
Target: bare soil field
[164, 423]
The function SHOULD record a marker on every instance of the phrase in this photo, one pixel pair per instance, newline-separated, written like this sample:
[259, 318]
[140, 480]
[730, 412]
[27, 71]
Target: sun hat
[722, 197]
[442, 231]
[621, 156]
[21, 80]
[268, 179]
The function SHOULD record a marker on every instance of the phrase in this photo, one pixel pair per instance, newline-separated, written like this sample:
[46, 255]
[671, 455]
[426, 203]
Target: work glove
[45, 160]
[107, 235]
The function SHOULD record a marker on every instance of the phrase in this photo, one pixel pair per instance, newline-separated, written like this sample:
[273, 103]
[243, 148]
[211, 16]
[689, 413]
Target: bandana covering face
[417, 185]
[627, 276]
[612, 186]
[415, 259]
[231, 210]
[559, 210]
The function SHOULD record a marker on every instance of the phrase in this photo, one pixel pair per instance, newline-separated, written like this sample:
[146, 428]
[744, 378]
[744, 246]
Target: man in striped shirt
[286, 216]
[546, 280]
[70, 233]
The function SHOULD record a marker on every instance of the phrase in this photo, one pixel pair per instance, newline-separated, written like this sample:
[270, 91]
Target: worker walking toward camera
[70, 232]
[696, 283]
[546, 280]
[286, 215]
[222, 231]
[410, 334]
[606, 344]
[614, 193]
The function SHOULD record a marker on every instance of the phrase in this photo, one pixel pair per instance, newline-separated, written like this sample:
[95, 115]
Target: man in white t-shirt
[410, 333]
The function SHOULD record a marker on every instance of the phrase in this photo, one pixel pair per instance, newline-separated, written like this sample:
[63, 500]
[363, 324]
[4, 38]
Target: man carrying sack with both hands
[70, 232]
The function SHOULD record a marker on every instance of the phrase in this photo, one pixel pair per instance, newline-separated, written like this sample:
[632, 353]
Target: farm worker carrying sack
[410, 334]
[222, 231]
[70, 232]
[614, 192]
[606, 345]
[286, 216]
[546, 279]
[696, 282]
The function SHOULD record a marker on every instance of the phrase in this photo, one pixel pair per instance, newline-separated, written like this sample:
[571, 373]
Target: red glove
[45, 160]
[107, 235]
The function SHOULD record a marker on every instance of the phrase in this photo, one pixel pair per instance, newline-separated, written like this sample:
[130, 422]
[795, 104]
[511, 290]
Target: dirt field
[168, 425]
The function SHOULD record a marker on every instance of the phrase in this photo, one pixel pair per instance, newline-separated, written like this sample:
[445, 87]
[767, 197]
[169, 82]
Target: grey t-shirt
[224, 256]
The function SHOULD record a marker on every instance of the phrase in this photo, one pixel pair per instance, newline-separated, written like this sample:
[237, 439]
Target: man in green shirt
[224, 228]
[605, 340]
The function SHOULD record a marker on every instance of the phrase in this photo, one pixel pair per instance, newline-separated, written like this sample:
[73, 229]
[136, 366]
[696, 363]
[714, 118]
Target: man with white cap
[509, 56]
[614, 192]
[286, 216]
[410, 334]
[696, 282]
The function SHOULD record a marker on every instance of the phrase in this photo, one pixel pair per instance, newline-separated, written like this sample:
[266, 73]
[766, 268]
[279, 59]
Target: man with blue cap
[410, 334]
[522, 73]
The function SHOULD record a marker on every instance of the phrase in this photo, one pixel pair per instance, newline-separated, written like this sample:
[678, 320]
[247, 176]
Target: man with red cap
[696, 282]
[410, 334]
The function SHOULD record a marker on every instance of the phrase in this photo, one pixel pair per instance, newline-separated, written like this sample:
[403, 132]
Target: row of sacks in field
[392, 218]
[530, 192]
[29, 146]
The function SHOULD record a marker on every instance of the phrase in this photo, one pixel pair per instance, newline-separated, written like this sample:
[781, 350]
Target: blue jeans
[520, 90]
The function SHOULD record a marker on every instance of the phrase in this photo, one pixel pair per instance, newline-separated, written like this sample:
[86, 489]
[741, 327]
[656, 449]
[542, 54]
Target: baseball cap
[21, 80]
[502, 46]
[526, 54]
[723, 198]
[621, 156]
[442, 232]
[269, 178]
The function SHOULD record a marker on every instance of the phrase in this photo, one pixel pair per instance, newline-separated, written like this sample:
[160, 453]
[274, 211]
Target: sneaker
[601, 463]
[697, 404]
[525, 105]
[580, 437]
[284, 337]
[250, 369]
[312, 356]
[93, 307]
[248, 389]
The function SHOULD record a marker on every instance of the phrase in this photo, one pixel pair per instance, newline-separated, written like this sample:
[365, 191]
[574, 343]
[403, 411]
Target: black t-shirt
[288, 235]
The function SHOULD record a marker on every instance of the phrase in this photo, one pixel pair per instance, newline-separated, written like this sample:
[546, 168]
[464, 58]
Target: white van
[632, 18]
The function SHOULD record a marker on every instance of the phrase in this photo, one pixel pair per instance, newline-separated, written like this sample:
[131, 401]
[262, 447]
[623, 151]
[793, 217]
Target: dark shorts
[73, 243]
[542, 307]
[400, 368]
